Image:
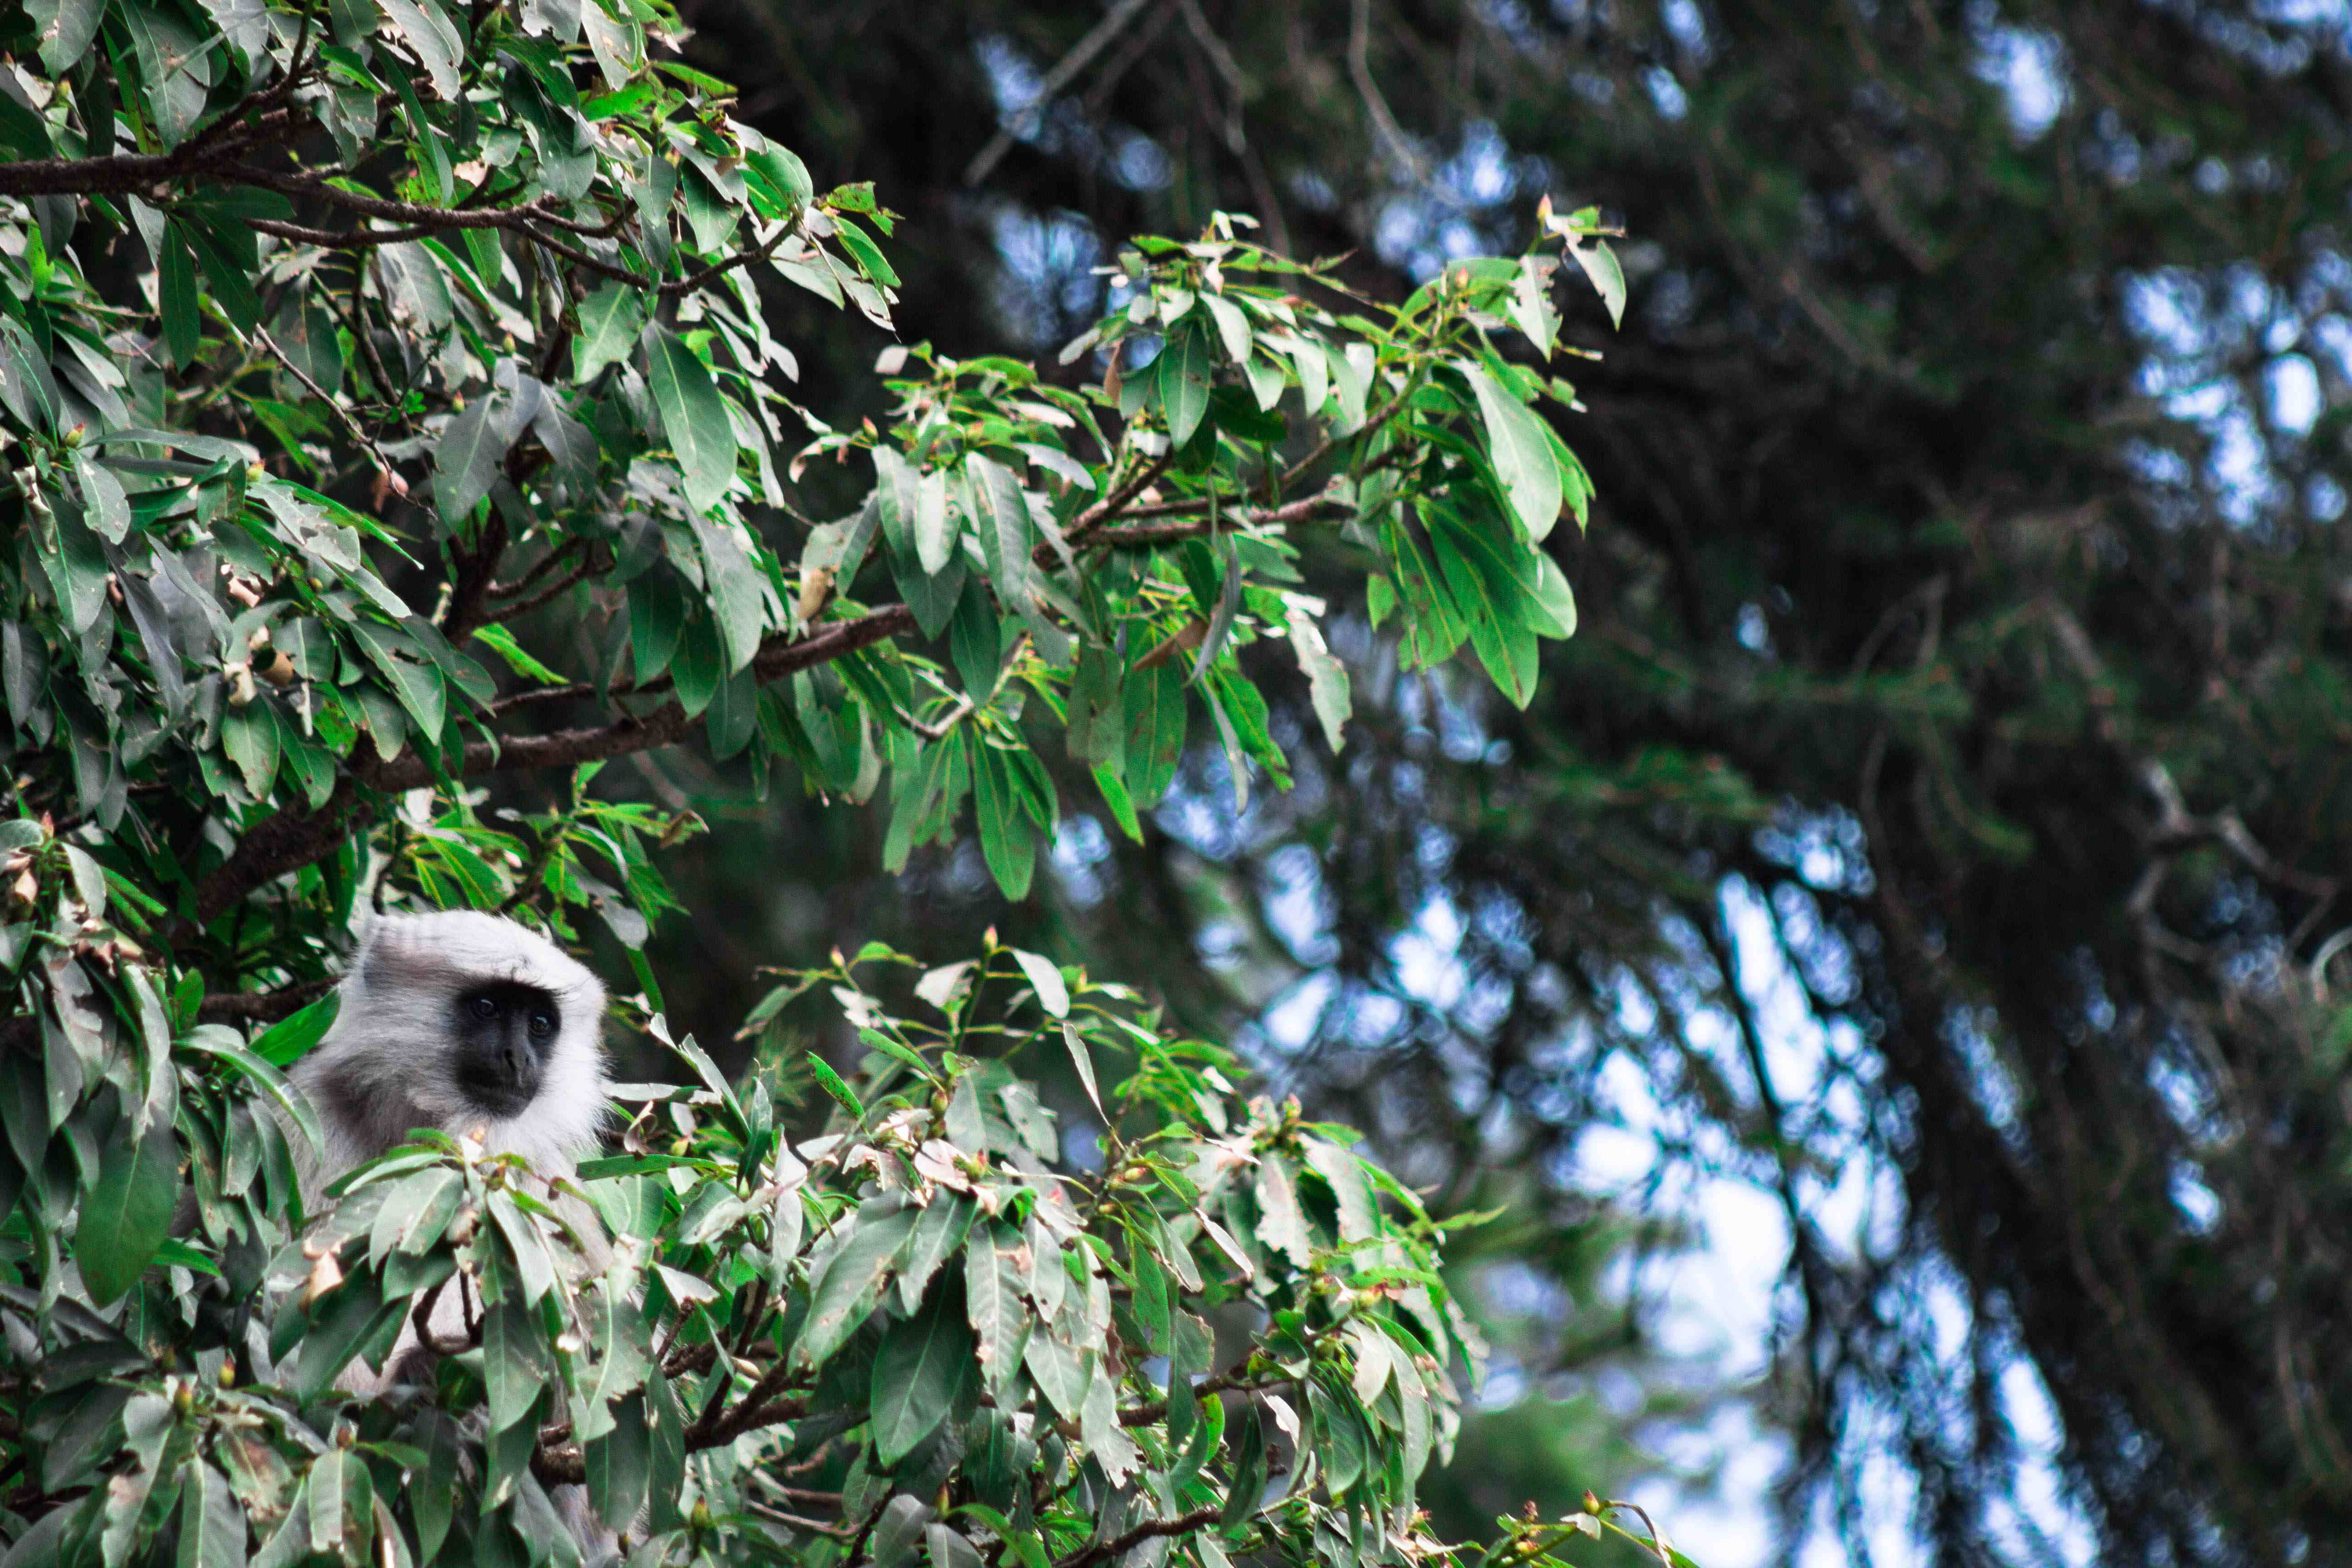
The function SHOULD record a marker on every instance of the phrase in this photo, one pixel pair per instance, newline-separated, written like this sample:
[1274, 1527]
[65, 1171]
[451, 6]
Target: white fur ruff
[384, 1068]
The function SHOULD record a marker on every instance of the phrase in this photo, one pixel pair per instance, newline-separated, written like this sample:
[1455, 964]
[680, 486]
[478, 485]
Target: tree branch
[478, 569]
[262, 1007]
[1147, 535]
[1111, 505]
[1103, 1551]
[1054, 79]
[293, 840]
[277, 845]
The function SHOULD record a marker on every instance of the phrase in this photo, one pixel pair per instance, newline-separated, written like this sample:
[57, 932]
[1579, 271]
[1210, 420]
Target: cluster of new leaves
[946, 1327]
[387, 401]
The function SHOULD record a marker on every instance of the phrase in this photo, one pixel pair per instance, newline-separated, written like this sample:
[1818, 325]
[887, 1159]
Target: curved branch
[1103, 1551]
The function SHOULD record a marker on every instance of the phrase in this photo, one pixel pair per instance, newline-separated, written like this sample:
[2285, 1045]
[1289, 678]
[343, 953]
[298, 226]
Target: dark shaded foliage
[1966, 594]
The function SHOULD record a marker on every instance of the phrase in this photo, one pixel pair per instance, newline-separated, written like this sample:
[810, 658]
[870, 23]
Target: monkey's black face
[504, 1031]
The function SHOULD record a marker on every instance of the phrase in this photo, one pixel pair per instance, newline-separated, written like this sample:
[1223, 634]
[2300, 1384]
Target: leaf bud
[325, 1275]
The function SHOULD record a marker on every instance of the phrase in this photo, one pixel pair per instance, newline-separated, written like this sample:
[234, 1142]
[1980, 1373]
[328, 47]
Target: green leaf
[223, 1043]
[822, 1070]
[64, 30]
[1327, 678]
[128, 1213]
[212, 1525]
[432, 37]
[1008, 840]
[656, 616]
[1045, 976]
[915, 1375]
[994, 1306]
[465, 463]
[1247, 1487]
[619, 1464]
[1517, 447]
[934, 526]
[1551, 607]
[1232, 329]
[229, 279]
[1059, 1372]
[975, 641]
[734, 586]
[939, 1231]
[693, 416]
[1347, 1446]
[869, 256]
[1083, 1061]
[1490, 599]
[176, 295]
[1022, 1543]
[933, 596]
[1600, 264]
[1184, 367]
[250, 737]
[502, 642]
[1155, 731]
[515, 1362]
[1529, 306]
[1280, 1223]
[1113, 789]
[850, 1288]
[416, 682]
[610, 320]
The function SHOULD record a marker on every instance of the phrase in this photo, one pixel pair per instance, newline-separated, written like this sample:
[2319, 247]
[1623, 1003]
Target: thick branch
[277, 845]
[262, 1007]
[477, 568]
[221, 142]
[102, 176]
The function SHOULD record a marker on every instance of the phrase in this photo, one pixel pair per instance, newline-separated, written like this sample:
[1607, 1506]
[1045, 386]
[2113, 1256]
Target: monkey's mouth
[495, 1094]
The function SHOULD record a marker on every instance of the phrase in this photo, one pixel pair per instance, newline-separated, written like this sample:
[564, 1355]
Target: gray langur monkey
[468, 1023]
[459, 1020]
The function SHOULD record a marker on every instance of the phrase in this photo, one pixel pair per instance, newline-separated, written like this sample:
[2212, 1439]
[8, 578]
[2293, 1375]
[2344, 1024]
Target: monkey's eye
[542, 1025]
[483, 1007]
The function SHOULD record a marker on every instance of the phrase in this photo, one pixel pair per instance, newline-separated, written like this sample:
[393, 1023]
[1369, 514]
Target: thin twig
[597, 561]
[1359, 68]
[349, 423]
[1052, 82]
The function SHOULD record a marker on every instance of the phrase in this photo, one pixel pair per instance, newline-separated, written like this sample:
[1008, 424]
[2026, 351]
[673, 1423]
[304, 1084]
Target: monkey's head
[459, 1020]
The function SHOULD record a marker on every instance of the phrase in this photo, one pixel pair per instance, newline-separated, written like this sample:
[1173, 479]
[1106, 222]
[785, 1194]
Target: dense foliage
[1962, 678]
[391, 412]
